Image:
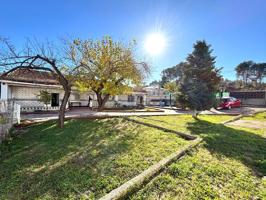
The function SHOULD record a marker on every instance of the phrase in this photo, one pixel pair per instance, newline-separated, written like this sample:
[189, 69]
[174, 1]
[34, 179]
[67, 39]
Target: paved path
[82, 113]
[85, 112]
[235, 111]
[255, 124]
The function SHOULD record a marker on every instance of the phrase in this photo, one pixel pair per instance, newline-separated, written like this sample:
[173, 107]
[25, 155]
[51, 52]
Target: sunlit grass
[229, 164]
[92, 156]
[96, 156]
[260, 116]
[180, 122]
[204, 175]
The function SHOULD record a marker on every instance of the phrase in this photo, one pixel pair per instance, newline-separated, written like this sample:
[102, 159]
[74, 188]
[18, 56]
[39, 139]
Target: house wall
[254, 102]
[30, 93]
[4, 91]
[81, 99]
[123, 99]
[27, 98]
[253, 98]
[155, 93]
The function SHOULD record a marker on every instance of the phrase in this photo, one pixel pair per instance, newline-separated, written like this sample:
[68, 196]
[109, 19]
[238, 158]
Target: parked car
[229, 102]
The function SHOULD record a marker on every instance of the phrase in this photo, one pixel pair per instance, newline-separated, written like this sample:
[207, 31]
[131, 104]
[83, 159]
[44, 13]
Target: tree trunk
[260, 81]
[63, 107]
[170, 100]
[101, 101]
[195, 114]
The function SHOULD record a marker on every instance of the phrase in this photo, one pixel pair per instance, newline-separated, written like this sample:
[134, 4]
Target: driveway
[85, 112]
[234, 111]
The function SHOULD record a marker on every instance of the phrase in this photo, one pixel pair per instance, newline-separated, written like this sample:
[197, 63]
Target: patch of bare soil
[249, 124]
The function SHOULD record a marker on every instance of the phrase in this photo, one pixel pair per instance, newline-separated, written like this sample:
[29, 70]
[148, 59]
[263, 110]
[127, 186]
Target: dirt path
[249, 124]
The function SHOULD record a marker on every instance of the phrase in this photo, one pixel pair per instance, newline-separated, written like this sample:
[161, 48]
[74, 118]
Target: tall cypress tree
[200, 79]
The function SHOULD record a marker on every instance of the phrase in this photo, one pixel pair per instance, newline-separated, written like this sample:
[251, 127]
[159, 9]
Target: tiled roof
[31, 76]
[139, 90]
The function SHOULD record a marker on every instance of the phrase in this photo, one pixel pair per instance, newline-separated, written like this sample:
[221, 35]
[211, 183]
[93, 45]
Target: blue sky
[236, 29]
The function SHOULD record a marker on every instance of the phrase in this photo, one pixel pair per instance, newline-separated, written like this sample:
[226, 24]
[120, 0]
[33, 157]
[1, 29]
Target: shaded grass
[228, 165]
[92, 156]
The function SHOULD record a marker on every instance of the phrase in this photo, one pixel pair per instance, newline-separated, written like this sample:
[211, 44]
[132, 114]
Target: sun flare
[155, 43]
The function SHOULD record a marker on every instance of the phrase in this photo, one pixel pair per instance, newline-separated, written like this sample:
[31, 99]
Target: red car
[229, 102]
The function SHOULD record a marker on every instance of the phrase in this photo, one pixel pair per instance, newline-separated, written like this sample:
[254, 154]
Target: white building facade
[24, 86]
[157, 96]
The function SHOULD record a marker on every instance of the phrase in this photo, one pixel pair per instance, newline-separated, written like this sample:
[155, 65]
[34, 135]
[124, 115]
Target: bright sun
[155, 43]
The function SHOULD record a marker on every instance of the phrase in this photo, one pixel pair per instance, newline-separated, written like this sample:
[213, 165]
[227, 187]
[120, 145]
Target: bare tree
[37, 55]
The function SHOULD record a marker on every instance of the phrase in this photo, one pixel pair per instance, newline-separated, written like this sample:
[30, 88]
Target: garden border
[183, 135]
[242, 115]
[234, 119]
[135, 183]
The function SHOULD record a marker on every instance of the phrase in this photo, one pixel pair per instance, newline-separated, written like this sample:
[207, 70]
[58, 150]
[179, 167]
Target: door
[55, 99]
[140, 100]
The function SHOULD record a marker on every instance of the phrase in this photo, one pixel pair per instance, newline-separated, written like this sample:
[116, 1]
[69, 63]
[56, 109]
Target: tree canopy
[44, 97]
[171, 74]
[171, 87]
[40, 56]
[155, 83]
[250, 72]
[106, 67]
[200, 78]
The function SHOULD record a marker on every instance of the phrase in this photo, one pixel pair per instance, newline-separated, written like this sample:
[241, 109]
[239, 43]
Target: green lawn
[260, 116]
[229, 164]
[45, 162]
[181, 122]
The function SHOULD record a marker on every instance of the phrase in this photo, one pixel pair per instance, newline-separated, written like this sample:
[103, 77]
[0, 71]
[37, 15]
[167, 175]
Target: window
[130, 98]
[224, 100]
[55, 99]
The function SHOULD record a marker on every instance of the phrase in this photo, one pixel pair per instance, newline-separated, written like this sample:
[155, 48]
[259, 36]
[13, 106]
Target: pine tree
[200, 79]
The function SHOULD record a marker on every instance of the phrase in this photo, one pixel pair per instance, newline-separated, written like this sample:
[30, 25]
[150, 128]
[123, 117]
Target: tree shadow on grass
[242, 145]
[55, 162]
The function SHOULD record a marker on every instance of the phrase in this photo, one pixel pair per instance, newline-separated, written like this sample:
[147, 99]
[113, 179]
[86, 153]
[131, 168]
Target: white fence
[112, 104]
[9, 115]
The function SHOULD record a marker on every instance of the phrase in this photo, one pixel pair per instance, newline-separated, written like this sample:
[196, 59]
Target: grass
[92, 156]
[229, 164]
[202, 175]
[96, 156]
[180, 122]
[259, 116]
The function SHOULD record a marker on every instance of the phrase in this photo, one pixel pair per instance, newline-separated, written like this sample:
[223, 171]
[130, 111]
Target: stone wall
[9, 115]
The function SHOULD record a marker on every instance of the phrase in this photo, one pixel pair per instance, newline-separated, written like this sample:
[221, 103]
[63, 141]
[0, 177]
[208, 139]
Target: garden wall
[9, 115]
[253, 98]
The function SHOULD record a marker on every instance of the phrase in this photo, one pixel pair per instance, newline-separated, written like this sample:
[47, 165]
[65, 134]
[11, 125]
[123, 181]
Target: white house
[157, 96]
[22, 85]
